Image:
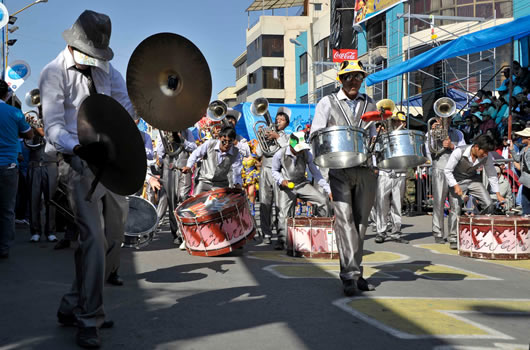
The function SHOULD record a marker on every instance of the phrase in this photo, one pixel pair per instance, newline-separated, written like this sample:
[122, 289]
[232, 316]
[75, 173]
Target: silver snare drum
[141, 223]
[339, 147]
[400, 149]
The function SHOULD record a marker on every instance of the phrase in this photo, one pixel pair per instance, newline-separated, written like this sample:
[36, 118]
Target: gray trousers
[287, 204]
[353, 192]
[8, 199]
[43, 183]
[204, 186]
[390, 192]
[268, 196]
[474, 188]
[440, 189]
[176, 187]
[101, 225]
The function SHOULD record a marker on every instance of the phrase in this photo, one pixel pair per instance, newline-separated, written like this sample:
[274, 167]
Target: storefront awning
[259, 5]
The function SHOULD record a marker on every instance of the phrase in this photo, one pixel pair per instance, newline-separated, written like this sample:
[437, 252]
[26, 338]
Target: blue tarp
[470, 43]
[301, 115]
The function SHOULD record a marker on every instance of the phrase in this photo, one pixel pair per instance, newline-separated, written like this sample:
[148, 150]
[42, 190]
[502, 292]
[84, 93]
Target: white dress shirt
[63, 88]
[456, 136]
[455, 157]
[277, 165]
[201, 151]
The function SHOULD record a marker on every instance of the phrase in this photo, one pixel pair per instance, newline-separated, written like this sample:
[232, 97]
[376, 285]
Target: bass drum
[141, 223]
[401, 149]
[339, 147]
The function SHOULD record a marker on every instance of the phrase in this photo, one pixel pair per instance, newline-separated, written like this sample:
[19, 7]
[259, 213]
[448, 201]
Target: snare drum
[311, 238]
[215, 222]
[339, 147]
[401, 149]
[141, 223]
[494, 237]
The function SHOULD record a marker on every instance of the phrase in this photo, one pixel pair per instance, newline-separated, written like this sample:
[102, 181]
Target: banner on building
[368, 8]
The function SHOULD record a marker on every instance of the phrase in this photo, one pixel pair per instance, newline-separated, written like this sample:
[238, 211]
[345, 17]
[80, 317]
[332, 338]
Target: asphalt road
[255, 298]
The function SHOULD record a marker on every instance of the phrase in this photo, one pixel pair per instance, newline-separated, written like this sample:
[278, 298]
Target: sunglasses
[226, 142]
[353, 76]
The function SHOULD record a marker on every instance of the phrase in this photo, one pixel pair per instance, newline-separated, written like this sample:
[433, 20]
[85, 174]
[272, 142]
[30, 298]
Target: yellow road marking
[444, 249]
[413, 318]
[369, 257]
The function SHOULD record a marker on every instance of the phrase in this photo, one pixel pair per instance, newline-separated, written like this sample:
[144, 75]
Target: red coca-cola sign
[344, 55]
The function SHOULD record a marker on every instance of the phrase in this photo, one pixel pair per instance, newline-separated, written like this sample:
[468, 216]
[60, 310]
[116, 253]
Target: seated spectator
[487, 123]
[489, 109]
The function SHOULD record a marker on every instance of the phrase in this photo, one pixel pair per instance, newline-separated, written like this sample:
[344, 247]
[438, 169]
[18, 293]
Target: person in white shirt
[219, 156]
[80, 70]
[463, 174]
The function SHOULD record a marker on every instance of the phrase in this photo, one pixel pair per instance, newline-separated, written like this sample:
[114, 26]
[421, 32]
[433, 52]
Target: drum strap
[348, 120]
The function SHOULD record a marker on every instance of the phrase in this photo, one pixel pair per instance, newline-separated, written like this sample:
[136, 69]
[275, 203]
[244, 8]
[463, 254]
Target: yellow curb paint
[444, 249]
[369, 257]
[413, 318]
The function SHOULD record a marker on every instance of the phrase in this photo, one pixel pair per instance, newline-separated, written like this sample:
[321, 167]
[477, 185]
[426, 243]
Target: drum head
[210, 205]
[142, 217]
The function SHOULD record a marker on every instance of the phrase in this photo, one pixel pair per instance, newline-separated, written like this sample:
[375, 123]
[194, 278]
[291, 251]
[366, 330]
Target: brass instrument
[34, 120]
[269, 146]
[444, 108]
[217, 110]
[171, 142]
[32, 98]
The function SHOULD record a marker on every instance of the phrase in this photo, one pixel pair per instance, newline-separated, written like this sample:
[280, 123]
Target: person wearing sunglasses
[353, 188]
[218, 156]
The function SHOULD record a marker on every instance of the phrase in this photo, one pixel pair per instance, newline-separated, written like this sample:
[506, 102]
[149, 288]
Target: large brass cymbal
[169, 81]
[102, 118]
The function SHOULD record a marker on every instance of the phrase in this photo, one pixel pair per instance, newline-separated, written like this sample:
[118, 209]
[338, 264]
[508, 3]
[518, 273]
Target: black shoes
[69, 320]
[115, 279]
[279, 245]
[62, 244]
[380, 238]
[363, 285]
[453, 245]
[88, 337]
[350, 287]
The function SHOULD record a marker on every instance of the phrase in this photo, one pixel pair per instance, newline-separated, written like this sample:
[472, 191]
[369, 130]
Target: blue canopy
[470, 43]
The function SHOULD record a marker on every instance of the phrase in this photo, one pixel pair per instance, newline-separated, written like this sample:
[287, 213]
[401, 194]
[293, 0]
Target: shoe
[52, 238]
[182, 245]
[115, 279]
[267, 240]
[62, 244]
[21, 221]
[453, 245]
[396, 237]
[349, 287]
[69, 320]
[363, 285]
[88, 337]
[380, 238]
[439, 240]
[35, 238]
[177, 241]
[279, 245]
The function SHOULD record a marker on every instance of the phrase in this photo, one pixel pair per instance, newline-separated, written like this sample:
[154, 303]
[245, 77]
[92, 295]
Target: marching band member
[390, 193]
[219, 156]
[268, 191]
[232, 117]
[80, 70]
[438, 161]
[463, 176]
[352, 188]
[288, 170]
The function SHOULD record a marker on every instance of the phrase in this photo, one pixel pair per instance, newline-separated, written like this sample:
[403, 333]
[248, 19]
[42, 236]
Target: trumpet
[444, 108]
[261, 128]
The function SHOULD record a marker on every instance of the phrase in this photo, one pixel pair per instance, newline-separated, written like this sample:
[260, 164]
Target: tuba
[260, 106]
[217, 110]
[444, 108]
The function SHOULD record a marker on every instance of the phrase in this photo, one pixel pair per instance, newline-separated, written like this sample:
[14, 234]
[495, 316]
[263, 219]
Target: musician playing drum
[288, 170]
[268, 191]
[80, 70]
[353, 188]
[463, 176]
[219, 156]
[390, 193]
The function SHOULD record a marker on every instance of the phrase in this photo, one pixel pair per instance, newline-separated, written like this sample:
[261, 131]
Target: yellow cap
[351, 66]
[400, 116]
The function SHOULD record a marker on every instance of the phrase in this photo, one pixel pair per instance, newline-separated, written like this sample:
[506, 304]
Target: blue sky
[216, 27]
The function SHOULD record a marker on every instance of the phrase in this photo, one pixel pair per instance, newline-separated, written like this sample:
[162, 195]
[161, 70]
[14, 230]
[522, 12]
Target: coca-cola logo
[344, 55]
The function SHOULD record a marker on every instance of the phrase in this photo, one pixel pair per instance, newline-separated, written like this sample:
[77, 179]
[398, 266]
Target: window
[265, 46]
[251, 79]
[241, 70]
[318, 7]
[265, 78]
[322, 53]
[303, 69]
[376, 32]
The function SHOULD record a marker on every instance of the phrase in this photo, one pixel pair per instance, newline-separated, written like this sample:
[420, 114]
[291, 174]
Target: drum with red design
[311, 237]
[215, 222]
[494, 237]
